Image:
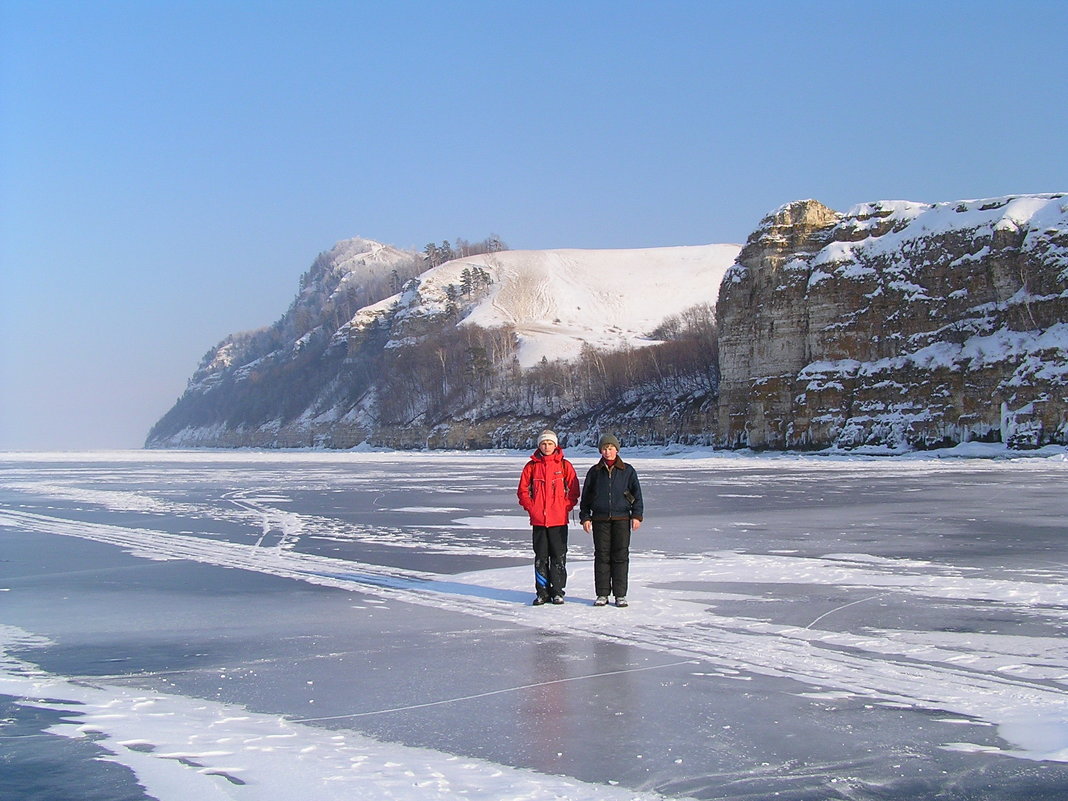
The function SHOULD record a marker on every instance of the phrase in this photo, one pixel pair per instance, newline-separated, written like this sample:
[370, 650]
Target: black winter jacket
[611, 494]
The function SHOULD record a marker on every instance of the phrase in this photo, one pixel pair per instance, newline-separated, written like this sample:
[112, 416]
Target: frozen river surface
[357, 625]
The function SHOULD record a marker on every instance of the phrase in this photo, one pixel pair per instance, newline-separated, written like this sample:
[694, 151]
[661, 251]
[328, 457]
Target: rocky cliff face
[249, 385]
[898, 324]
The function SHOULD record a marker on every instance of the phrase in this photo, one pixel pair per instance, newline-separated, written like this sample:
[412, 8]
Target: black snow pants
[611, 557]
[550, 560]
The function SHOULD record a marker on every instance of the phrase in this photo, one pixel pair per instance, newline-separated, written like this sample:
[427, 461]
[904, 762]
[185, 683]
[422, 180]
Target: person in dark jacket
[611, 507]
[548, 490]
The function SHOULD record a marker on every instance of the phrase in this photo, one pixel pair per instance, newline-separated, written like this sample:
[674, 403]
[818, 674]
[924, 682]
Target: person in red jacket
[549, 490]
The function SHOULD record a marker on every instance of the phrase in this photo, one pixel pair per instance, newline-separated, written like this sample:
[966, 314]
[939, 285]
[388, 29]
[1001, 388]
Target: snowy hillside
[557, 301]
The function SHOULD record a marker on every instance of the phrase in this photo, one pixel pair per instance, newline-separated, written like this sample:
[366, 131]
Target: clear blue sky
[169, 169]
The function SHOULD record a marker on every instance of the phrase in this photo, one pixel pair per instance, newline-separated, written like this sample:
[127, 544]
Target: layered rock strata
[898, 324]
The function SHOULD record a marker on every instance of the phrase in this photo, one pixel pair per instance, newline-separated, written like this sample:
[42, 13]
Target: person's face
[609, 452]
[547, 446]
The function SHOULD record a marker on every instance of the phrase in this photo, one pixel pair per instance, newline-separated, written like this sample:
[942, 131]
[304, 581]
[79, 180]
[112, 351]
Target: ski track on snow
[256, 507]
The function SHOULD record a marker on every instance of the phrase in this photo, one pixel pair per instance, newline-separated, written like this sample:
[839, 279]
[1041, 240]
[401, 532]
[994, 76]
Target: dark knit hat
[606, 440]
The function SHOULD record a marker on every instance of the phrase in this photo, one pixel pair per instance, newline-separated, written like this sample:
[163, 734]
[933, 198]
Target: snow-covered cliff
[898, 324]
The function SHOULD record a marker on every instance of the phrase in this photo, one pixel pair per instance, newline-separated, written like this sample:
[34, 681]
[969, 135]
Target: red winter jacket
[548, 488]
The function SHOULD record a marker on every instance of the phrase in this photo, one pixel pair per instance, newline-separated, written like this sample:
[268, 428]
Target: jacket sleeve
[523, 492]
[572, 484]
[637, 509]
[586, 503]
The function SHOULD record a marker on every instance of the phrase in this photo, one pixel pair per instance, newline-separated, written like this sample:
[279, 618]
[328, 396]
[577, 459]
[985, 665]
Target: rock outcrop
[898, 324]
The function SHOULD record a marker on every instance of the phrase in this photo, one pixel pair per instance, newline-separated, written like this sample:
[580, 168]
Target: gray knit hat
[606, 440]
[548, 435]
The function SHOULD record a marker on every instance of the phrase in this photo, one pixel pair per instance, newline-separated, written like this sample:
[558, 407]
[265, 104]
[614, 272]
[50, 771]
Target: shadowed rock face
[898, 324]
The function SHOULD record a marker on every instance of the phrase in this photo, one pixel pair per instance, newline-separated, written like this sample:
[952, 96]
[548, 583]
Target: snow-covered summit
[360, 258]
